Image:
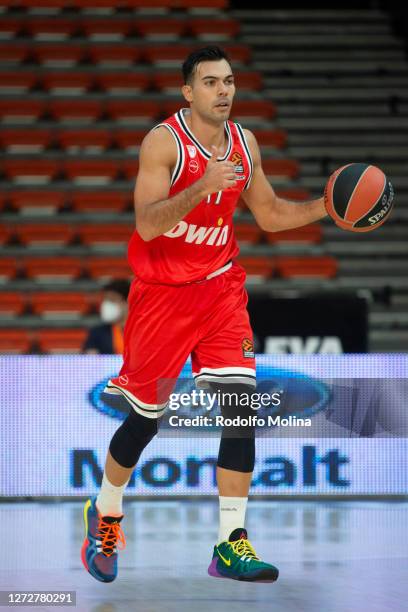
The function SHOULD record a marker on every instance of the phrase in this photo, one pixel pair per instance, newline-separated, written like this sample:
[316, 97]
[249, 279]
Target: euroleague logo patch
[193, 166]
[236, 159]
[248, 348]
[123, 380]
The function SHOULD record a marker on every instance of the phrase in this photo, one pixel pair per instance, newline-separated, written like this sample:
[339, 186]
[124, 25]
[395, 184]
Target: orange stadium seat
[309, 234]
[13, 53]
[168, 81]
[15, 341]
[76, 110]
[123, 83]
[8, 268]
[249, 80]
[60, 304]
[129, 140]
[166, 54]
[271, 138]
[253, 108]
[161, 28]
[106, 29]
[173, 55]
[10, 27]
[130, 168]
[51, 28]
[61, 340]
[106, 268]
[238, 52]
[96, 139]
[93, 4]
[61, 55]
[70, 83]
[95, 171]
[170, 4]
[44, 202]
[53, 268]
[214, 29]
[12, 304]
[257, 268]
[25, 140]
[5, 234]
[307, 267]
[118, 55]
[176, 4]
[133, 110]
[94, 202]
[49, 4]
[6, 4]
[193, 4]
[16, 82]
[21, 111]
[34, 171]
[247, 233]
[294, 193]
[45, 234]
[141, 4]
[169, 107]
[105, 235]
[281, 167]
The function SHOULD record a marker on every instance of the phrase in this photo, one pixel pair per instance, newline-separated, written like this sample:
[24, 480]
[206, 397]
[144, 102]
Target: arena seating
[17, 341]
[11, 304]
[60, 340]
[51, 304]
[82, 81]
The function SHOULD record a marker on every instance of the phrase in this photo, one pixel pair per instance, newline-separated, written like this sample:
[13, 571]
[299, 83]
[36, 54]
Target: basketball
[359, 197]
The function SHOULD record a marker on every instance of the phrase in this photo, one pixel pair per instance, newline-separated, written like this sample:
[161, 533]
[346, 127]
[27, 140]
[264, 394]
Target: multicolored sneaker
[102, 535]
[236, 559]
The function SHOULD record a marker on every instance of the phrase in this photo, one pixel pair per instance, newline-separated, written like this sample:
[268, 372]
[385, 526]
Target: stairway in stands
[82, 82]
[339, 79]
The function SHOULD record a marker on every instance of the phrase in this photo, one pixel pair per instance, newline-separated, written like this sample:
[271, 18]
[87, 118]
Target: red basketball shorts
[207, 320]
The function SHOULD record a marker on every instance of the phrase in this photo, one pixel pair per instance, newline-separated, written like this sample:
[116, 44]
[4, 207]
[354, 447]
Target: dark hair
[212, 53]
[120, 286]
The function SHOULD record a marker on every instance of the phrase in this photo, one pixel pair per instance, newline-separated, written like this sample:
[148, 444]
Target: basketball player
[188, 298]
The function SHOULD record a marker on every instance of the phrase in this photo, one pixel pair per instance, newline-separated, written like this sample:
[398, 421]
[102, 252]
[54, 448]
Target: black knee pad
[234, 400]
[237, 446]
[131, 438]
[237, 454]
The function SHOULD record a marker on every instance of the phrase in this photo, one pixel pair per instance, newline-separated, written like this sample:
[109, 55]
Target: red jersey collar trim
[183, 125]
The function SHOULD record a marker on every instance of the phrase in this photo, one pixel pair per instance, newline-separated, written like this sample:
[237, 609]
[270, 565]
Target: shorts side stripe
[224, 375]
[151, 413]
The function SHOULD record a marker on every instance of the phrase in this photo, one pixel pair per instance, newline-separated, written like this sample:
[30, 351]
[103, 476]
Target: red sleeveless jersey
[203, 241]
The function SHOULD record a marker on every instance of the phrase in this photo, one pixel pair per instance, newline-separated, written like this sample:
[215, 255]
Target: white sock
[232, 515]
[109, 500]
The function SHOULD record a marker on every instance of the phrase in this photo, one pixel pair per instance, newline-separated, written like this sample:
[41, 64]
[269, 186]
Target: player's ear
[187, 92]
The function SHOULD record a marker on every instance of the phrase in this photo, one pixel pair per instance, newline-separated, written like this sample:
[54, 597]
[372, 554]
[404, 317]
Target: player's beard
[217, 117]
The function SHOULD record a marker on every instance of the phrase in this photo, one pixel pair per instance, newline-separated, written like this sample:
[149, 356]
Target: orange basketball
[358, 197]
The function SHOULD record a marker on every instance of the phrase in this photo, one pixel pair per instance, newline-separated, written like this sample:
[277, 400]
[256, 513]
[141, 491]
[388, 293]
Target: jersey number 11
[217, 200]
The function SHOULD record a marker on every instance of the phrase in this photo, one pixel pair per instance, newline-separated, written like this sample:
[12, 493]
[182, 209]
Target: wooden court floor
[333, 556]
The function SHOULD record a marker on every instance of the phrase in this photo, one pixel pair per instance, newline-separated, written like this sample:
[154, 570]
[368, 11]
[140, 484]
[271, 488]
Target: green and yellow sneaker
[236, 559]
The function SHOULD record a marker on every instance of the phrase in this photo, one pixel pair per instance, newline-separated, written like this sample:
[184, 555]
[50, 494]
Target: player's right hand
[218, 175]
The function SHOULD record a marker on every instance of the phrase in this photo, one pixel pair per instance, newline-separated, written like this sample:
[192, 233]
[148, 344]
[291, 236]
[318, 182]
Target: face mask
[110, 311]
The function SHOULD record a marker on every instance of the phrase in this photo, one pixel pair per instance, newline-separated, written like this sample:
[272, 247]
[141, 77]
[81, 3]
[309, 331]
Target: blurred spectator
[107, 338]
